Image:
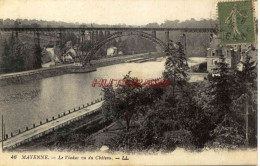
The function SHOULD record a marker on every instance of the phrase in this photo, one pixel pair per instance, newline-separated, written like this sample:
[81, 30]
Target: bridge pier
[154, 33]
[107, 33]
[90, 33]
[167, 38]
[37, 38]
[100, 36]
[58, 39]
[59, 42]
[81, 43]
[16, 35]
[82, 36]
[183, 41]
[96, 37]
[211, 37]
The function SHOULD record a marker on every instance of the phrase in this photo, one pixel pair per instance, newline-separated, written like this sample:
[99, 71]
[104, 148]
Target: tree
[35, 25]
[70, 37]
[18, 56]
[1, 22]
[122, 103]
[38, 55]
[19, 61]
[153, 25]
[7, 58]
[246, 101]
[223, 87]
[176, 66]
[224, 90]
[248, 73]
[17, 23]
[13, 56]
[114, 43]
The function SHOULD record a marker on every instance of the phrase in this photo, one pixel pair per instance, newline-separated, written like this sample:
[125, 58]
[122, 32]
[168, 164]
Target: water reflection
[32, 102]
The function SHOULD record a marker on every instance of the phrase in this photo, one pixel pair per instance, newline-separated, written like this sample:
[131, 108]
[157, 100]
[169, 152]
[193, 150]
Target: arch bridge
[110, 34]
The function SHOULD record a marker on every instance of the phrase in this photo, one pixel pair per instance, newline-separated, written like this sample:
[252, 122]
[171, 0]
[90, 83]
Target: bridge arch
[115, 35]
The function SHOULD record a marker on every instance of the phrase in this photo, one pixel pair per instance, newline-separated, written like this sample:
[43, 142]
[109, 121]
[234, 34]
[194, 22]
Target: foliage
[18, 56]
[38, 57]
[210, 113]
[122, 102]
[132, 44]
[223, 89]
[227, 134]
[136, 140]
[65, 38]
[231, 93]
[176, 66]
[12, 56]
[248, 94]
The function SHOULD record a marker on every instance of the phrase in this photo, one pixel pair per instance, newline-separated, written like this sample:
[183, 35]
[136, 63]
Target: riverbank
[21, 77]
[42, 129]
[42, 73]
[122, 59]
[70, 138]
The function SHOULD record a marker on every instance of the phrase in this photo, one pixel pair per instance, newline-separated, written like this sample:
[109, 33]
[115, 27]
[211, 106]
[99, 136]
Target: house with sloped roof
[112, 51]
[70, 56]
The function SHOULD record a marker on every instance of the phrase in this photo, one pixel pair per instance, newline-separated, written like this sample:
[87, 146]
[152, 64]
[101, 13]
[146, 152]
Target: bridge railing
[50, 130]
[21, 29]
[35, 125]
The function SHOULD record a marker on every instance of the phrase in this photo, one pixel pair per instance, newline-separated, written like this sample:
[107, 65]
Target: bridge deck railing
[45, 29]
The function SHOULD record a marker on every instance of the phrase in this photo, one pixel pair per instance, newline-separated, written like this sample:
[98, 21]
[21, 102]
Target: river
[31, 102]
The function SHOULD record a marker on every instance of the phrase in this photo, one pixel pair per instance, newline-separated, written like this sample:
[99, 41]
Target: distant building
[71, 52]
[231, 55]
[250, 50]
[67, 58]
[112, 51]
[70, 56]
[120, 53]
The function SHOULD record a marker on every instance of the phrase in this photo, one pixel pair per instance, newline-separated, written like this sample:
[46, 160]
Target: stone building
[231, 55]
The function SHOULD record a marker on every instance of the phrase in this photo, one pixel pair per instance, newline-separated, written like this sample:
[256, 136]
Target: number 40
[13, 156]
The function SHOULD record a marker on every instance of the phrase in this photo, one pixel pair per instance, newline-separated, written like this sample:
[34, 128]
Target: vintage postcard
[128, 82]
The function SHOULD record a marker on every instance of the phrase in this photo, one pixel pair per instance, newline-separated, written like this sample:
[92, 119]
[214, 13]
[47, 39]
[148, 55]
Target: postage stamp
[236, 22]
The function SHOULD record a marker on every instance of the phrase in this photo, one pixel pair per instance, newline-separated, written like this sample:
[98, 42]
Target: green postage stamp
[236, 22]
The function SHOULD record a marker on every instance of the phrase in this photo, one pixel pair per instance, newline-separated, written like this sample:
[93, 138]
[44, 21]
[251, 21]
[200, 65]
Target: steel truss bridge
[110, 33]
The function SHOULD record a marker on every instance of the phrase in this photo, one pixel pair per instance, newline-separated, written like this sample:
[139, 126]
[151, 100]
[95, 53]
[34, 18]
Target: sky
[130, 12]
